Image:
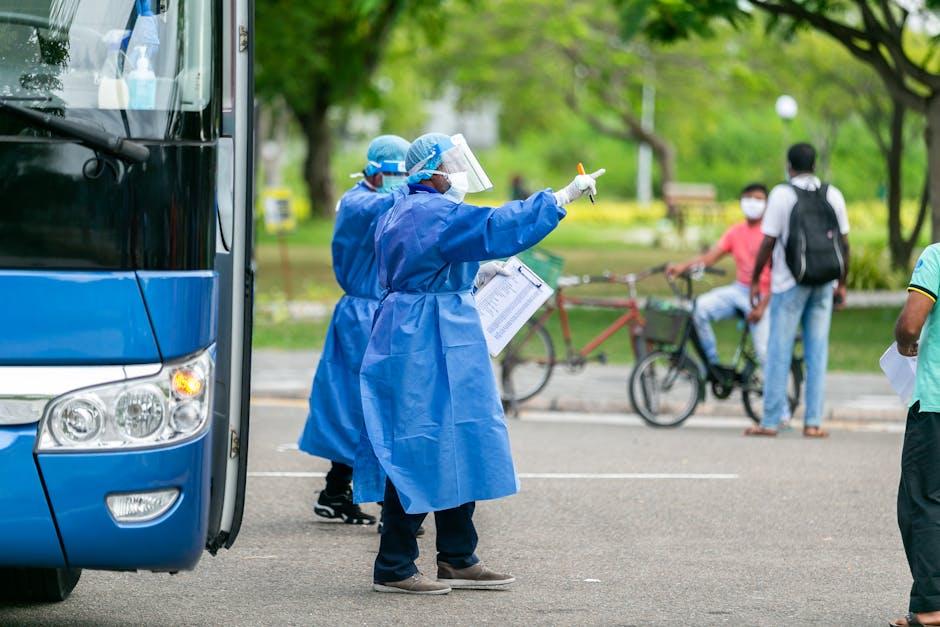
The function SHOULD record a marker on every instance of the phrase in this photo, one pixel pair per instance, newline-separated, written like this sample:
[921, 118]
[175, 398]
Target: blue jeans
[811, 307]
[722, 303]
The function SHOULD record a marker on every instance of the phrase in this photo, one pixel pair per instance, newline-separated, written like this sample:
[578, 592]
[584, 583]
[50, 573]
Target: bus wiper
[96, 139]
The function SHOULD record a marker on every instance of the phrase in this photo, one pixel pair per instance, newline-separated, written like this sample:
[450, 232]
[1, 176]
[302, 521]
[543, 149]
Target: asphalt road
[611, 528]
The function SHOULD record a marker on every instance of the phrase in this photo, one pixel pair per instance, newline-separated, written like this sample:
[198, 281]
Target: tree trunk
[316, 130]
[666, 160]
[893, 159]
[933, 163]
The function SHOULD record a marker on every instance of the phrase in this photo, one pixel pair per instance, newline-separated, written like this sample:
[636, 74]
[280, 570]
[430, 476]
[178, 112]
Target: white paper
[507, 302]
[901, 372]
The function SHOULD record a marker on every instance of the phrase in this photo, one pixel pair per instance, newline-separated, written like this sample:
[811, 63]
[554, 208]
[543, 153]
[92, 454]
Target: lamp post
[787, 109]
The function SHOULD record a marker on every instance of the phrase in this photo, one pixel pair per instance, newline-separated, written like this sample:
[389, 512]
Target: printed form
[507, 302]
[901, 372]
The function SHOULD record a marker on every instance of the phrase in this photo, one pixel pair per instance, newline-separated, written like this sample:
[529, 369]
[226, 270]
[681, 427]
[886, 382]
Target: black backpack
[814, 245]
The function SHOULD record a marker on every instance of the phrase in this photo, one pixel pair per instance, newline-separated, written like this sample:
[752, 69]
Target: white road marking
[275, 401]
[284, 474]
[287, 474]
[632, 420]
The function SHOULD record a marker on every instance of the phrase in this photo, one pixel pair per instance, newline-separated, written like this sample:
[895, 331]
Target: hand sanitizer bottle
[142, 83]
[112, 90]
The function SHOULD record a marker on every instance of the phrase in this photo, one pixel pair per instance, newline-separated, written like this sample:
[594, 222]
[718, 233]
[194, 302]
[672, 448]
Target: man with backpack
[805, 229]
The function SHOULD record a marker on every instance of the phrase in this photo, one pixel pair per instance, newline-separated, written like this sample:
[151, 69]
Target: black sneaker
[340, 506]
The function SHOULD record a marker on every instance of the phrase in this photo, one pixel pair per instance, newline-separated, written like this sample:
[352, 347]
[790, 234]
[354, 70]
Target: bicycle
[668, 383]
[527, 362]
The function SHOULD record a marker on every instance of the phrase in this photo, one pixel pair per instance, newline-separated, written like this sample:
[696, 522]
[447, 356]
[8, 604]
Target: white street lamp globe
[786, 107]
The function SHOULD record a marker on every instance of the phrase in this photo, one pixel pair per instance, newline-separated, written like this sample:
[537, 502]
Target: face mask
[391, 182]
[459, 182]
[753, 208]
[454, 194]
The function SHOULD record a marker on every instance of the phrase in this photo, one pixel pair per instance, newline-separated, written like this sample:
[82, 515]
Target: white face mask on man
[458, 186]
[753, 208]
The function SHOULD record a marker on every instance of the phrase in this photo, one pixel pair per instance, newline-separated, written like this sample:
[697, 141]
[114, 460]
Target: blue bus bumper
[27, 532]
[78, 483]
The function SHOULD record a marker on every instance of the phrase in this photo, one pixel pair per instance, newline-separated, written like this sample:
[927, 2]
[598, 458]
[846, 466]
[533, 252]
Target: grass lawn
[858, 337]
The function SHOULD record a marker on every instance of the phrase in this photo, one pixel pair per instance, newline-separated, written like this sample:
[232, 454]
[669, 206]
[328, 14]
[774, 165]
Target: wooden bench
[684, 197]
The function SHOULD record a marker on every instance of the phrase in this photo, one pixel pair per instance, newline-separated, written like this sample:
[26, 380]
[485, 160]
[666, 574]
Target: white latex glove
[487, 271]
[582, 183]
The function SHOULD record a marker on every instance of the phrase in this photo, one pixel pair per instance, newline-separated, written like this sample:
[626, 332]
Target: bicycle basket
[545, 264]
[665, 323]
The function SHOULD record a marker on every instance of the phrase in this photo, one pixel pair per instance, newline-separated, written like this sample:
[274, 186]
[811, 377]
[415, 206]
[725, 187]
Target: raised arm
[474, 233]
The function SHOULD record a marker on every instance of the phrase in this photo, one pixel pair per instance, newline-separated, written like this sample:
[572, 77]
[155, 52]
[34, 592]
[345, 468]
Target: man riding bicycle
[742, 241]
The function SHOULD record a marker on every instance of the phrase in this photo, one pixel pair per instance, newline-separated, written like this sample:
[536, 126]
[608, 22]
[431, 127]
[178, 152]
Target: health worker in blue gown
[334, 423]
[435, 438]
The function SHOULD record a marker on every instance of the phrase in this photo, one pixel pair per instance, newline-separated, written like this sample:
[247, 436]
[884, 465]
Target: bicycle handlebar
[690, 275]
[633, 278]
[609, 277]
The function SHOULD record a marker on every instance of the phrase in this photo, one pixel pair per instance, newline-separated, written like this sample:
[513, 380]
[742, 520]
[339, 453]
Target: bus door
[235, 267]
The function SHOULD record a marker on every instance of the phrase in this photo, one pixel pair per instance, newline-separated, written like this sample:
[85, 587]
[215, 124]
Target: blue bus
[126, 284]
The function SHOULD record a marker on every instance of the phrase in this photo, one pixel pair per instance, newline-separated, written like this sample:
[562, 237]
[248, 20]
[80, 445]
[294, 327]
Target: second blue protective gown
[433, 418]
[334, 422]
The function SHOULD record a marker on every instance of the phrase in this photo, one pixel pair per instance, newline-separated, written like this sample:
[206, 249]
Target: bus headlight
[170, 406]
[78, 420]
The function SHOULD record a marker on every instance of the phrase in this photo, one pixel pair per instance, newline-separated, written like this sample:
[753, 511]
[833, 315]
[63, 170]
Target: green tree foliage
[891, 38]
[561, 70]
[320, 55]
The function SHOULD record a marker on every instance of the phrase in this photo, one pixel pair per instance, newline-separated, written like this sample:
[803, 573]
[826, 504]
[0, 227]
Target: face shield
[458, 164]
[462, 168]
[394, 175]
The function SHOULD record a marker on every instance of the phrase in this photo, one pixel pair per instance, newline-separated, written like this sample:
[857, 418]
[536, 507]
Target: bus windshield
[137, 62]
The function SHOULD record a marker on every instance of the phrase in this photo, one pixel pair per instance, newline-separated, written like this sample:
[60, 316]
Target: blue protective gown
[335, 419]
[434, 423]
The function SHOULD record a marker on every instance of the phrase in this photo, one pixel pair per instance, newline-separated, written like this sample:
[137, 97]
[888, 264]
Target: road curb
[582, 406]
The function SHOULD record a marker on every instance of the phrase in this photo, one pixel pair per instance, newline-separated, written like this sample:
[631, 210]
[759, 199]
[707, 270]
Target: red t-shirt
[743, 242]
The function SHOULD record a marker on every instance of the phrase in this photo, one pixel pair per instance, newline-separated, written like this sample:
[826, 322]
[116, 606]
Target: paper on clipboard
[901, 372]
[507, 302]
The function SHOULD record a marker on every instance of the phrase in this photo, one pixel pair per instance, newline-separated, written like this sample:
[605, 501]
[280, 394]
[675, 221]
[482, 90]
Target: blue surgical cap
[383, 149]
[430, 145]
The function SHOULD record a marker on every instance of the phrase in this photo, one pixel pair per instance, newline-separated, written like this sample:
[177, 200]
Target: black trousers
[339, 479]
[398, 549]
[919, 507]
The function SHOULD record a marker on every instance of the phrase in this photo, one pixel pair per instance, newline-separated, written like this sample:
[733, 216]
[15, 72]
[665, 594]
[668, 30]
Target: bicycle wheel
[752, 394]
[526, 363]
[665, 388]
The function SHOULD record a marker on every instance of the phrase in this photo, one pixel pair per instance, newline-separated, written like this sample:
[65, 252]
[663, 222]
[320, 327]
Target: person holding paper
[918, 335]
[435, 437]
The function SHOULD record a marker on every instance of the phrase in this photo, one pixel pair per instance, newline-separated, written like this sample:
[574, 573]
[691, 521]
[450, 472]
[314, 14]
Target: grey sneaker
[476, 577]
[416, 584]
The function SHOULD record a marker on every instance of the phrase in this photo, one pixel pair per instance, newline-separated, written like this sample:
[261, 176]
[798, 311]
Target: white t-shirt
[776, 223]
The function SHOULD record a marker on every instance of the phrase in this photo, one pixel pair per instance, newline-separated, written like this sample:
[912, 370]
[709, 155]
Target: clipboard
[506, 303]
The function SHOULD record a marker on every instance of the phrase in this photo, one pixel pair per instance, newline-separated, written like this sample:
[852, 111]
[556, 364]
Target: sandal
[761, 431]
[909, 621]
[815, 432]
